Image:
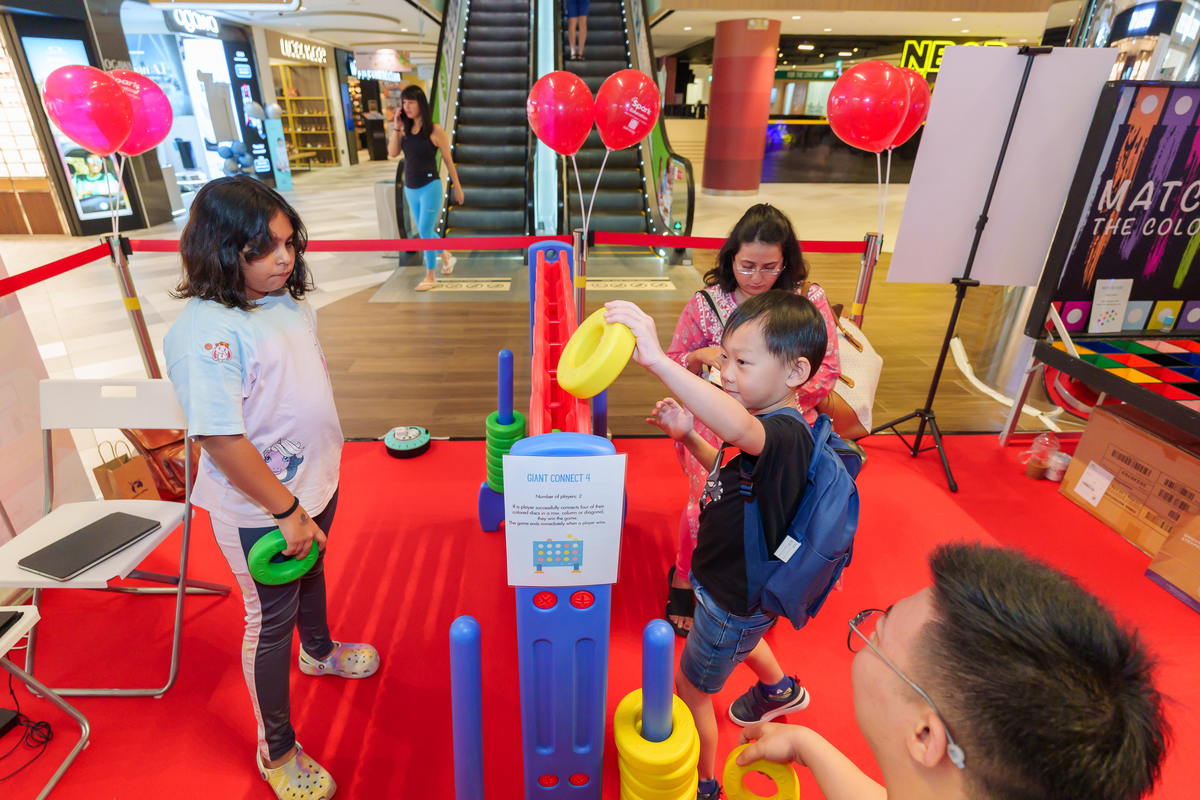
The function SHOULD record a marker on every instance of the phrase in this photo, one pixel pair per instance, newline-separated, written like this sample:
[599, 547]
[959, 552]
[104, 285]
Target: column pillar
[743, 72]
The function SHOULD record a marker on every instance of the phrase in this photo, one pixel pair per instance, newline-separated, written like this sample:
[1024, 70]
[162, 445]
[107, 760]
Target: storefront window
[19, 154]
[816, 99]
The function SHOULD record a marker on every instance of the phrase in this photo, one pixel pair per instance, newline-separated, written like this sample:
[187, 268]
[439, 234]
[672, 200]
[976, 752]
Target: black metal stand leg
[937, 441]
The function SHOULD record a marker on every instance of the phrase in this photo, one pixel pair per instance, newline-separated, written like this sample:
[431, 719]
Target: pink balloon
[89, 107]
[560, 111]
[152, 114]
[918, 107]
[627, 107]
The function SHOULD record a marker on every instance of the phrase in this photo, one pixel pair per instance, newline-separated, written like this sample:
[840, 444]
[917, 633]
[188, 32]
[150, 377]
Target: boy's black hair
[792, 326]
[414, 92]
[231, 217]
[1043, 690]
[765, 224]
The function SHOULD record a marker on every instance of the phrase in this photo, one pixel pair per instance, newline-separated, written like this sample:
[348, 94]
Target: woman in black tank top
[420, 140]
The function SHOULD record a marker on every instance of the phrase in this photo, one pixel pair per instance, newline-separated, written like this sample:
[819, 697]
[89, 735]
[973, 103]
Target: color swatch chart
[1169, 367]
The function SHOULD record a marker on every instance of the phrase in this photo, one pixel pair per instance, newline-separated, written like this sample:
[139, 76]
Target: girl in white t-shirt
[250, 374]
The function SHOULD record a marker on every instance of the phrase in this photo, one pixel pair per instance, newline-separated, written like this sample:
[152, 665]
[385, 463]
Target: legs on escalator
[577, 11]
[426, 203]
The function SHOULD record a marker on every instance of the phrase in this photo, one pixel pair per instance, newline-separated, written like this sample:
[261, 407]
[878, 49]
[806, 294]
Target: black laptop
[88, 546]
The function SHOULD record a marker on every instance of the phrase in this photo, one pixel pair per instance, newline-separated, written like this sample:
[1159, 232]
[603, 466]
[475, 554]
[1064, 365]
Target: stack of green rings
[500, 439]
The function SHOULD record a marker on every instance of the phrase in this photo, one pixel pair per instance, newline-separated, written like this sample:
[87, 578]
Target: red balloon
[560, 111]
[89, 107]
[868, 105]
[152, 114]
[627, 107]
[918, 106]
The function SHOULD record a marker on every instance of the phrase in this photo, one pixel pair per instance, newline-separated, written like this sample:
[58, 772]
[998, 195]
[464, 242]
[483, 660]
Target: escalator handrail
[530, 141]
[691, 182]
[447, 113]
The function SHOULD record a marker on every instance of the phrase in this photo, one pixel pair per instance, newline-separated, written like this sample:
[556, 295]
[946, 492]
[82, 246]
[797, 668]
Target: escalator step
[489, 81]
[589, 68]
[482, 18]
[612, 179]
[612, 222]
[492, 116]
[491, 175]
[517, 49]
[502, 98]
[499, 33]
[490, 154]
[617, 159]
[495, 197]
[496, 64]
[609, 200]
[603, 8]
[463, 233]
[490, 134]
[606, 37]
[467, 217]
[502, 6]
[598, 22]
[599, 52]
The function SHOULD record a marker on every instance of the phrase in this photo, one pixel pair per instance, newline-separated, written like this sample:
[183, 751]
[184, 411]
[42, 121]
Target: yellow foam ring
[132, 303]
[856, 309]
[787, 785]
[634, 791]
[594, 356]
[666, 780]
[580, 281]
[657, 758]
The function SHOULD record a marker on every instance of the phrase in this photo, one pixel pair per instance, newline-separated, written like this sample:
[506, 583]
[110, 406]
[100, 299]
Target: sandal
[448, 266]
[680, 603]
[302, 778]
[425, 285]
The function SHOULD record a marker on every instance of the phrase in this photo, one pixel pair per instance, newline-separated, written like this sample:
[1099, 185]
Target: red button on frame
[548, 781]
[583, 599]
[579, 779]
[545, 600]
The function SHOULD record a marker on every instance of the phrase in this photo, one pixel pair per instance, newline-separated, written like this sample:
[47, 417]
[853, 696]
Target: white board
[562, 519]
[968, 116]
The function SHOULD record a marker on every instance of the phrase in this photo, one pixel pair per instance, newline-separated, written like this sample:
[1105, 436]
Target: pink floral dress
[699, 327]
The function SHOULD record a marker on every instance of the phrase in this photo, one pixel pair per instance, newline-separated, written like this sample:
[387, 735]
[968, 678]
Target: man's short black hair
[1047, 695]
[792, 326]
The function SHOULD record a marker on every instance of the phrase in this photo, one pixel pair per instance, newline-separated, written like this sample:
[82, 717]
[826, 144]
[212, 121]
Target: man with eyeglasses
[1002, 680]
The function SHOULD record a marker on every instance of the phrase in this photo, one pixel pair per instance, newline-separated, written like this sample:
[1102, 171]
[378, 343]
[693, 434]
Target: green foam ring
[496, 475]
[504, 441]
[497, 452]
[515, 429]
[495, 462]
[273, 573]
[498, 488]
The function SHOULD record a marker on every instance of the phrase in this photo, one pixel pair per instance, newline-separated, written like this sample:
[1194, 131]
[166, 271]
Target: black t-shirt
[780, 479]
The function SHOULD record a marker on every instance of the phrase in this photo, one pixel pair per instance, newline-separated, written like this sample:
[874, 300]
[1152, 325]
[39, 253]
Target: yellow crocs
[299, 779]
[346, 661]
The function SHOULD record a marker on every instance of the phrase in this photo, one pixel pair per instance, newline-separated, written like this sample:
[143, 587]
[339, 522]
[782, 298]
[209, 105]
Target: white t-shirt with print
[260, 373]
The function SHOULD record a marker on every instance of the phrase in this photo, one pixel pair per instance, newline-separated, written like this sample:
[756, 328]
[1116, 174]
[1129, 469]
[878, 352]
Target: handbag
[163, 451]
[861, 367]
[124, 477]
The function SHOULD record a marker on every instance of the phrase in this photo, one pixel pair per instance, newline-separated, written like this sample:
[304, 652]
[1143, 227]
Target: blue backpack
[820, 540]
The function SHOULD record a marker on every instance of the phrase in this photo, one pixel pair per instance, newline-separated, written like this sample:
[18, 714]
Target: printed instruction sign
[1108, 305]
[562, 519]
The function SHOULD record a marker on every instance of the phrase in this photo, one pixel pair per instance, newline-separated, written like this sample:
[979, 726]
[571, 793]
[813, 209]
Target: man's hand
[299, 531]
[674, 420]
[772, 742]
[649, 352]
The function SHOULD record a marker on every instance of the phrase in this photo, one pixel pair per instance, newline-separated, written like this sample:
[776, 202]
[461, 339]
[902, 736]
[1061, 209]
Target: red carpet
[406, 557]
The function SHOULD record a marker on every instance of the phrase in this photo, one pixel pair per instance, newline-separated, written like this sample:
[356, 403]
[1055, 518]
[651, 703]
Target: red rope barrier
[715, 243]
[47, 271]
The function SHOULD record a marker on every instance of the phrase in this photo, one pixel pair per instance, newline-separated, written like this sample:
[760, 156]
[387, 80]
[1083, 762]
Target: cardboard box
[1138, 475]
[1176, 568]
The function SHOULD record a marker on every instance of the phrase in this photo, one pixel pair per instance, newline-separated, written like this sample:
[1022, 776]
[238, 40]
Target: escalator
[491, 142]
[620, 205]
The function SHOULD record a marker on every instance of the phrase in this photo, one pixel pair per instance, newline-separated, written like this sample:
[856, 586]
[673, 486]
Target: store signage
[193, 23]
[378, 75]
[925, 55]
[229, 5]
[300, 51]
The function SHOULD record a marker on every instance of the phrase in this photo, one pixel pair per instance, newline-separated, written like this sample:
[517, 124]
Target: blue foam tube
[466, 708]
[600, 414]
[505, 381]
[658, 660]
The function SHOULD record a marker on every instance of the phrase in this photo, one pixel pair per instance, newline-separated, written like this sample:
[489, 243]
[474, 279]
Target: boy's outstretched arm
[837, 775]
[723, 415]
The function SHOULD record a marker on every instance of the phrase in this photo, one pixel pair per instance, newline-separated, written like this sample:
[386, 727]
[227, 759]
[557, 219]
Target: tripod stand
[961, 284]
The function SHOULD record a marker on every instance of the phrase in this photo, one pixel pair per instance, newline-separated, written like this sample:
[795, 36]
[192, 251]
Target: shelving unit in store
[307, 119]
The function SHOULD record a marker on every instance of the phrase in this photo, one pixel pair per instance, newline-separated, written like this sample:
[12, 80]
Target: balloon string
[588, 220]
[887, 181]
[580, 187]
[114, 195]
[879, 193]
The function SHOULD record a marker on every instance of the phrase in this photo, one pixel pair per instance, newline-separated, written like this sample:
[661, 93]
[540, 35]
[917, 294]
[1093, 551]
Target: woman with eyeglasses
[760, 254]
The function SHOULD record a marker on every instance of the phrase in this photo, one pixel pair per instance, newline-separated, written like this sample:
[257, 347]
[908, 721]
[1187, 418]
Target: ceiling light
[856, 49]
[965, 30]
[1024, 40]
[804, 47]
[796, 17]
[828, 30]
[404, 30]
[845, 54]
[956, 19]
[688, 28]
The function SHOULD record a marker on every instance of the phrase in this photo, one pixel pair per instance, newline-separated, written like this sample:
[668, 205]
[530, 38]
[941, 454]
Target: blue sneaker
[758, 706]
[715, 794]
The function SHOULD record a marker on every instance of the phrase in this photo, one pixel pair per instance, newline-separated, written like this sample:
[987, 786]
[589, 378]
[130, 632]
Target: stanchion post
[580, 276]
[658, 662]
[870, 257]
[466, 708]
[504, 383]
[600, 414]
[133, 306]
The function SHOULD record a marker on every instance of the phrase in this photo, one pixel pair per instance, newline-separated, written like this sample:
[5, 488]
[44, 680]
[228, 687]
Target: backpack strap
[713, 305]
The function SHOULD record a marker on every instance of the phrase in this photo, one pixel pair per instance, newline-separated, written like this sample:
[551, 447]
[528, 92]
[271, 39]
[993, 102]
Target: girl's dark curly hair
[230, 220]
[768, 225]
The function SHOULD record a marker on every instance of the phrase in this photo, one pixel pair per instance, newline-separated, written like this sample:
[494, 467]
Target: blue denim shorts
[577, 8]
[718, 642]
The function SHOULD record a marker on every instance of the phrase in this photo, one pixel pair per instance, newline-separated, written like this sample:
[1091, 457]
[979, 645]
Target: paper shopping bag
[125, 477]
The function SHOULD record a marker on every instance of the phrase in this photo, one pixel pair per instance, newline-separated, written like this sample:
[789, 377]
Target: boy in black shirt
[772, 344]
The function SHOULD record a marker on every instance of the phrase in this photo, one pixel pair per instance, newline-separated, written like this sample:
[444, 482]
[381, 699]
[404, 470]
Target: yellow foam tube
[656, 770]
[594, 356]
[787, 785]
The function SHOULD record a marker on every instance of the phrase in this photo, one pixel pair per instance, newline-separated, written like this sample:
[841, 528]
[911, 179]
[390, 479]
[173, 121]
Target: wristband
[291, 509]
